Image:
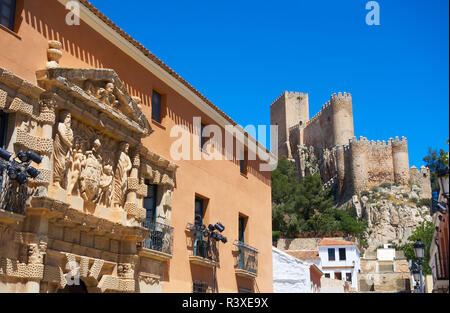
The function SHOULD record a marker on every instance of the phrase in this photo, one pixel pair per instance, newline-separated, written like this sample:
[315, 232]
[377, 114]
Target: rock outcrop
[392, 213]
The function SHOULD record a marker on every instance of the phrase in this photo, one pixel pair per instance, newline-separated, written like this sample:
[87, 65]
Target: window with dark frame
[348, 277]
[200, 287]
[199, 211]
[327, 275]
[202, 137]
[150, 202]
[338, 276]
[3, 129]
[331, 255]
[242, 225]
[156, 106]
[342, 254]
[7, 12]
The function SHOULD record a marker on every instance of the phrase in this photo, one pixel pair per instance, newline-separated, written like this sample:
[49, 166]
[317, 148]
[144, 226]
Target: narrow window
[199, 211]
[7, 12]
[327, 275]
[243, 162]
[150, 202]
[331, 255]
[342, 254]
[348, 277]
[3, 129]
[156, 106]
[242, 226]
[202, 136]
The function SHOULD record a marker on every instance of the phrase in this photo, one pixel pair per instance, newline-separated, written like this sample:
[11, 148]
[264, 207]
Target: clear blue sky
[243, 54]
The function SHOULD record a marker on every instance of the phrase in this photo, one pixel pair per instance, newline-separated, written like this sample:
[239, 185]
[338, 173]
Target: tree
[425, 233]
[307, 207]
[434, 161]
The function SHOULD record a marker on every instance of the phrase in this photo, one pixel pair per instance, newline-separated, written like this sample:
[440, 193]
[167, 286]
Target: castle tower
[291, 109]
[359, 157]
[342, 116]
[401, 161]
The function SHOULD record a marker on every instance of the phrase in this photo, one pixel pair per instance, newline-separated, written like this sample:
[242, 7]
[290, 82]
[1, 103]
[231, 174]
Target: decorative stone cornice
[69, 81]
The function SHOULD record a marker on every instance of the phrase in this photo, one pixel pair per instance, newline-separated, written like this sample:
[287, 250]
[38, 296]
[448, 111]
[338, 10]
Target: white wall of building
[352, 263]
[290, 275]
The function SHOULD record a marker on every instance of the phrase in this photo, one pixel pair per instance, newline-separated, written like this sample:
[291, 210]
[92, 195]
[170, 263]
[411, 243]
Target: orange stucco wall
[229, 193]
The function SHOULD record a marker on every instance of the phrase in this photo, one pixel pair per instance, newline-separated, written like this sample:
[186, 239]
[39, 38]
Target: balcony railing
[161, 237]
[13, 197]
[203, 246]
[247, 258]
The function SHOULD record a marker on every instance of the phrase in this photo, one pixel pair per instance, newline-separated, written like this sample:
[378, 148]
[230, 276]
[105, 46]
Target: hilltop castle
[326, 144]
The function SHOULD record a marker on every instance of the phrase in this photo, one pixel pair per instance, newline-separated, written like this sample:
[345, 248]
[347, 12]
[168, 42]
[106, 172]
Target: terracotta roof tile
[335, 242]
[304, 254]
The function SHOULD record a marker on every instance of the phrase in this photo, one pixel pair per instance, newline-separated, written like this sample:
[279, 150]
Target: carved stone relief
[62, 150]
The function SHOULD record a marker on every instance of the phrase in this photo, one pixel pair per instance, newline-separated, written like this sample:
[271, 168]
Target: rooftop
[336, 242]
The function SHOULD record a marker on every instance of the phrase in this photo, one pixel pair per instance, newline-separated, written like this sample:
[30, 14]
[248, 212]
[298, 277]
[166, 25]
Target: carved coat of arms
[90, 178]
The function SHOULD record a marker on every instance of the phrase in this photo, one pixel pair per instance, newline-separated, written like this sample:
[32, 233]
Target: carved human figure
[78, 158]
[34, 253]
[62, 149]
[123, 168]
[106, 95]
[106, 186]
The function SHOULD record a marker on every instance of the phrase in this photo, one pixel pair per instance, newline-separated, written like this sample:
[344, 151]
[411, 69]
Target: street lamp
[419, 249]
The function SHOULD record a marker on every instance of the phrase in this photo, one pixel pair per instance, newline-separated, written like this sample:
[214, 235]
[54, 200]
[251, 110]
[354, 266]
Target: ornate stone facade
[84, 216]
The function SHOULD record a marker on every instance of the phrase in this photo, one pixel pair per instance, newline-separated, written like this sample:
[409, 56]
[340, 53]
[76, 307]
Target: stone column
[47, 118]
[131, 205]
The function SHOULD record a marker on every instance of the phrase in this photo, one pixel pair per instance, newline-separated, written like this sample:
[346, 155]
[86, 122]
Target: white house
[290, 275]
[340, 260]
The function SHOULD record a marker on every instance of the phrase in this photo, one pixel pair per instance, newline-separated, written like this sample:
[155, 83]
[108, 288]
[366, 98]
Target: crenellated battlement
[391, 142]
[290, 95]
[346, 96]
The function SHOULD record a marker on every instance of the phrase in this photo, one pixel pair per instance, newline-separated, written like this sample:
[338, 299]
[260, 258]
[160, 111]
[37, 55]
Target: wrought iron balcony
[204, 249]
[13, 196]
[247, 260]
[160, 239]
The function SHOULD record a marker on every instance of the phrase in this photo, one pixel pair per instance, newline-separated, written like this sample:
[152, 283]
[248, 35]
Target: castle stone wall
[289, 110]
[318, 132]
[326, 142]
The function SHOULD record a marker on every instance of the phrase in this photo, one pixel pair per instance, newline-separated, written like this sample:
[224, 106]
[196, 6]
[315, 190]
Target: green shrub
[386, 185]
[374, 189]
[424, 202]
[414, 200]
[365, 193]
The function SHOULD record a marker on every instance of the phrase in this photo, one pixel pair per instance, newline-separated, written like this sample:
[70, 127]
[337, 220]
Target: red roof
[304, 254]
[335, 242]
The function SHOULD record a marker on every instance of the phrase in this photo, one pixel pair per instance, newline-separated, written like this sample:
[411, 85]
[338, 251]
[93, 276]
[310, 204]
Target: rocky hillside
[392, 213]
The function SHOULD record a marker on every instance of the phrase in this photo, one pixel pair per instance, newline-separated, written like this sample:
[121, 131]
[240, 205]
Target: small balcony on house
[159, 244]
[247, 260]
[204, 249]
[13, 198]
